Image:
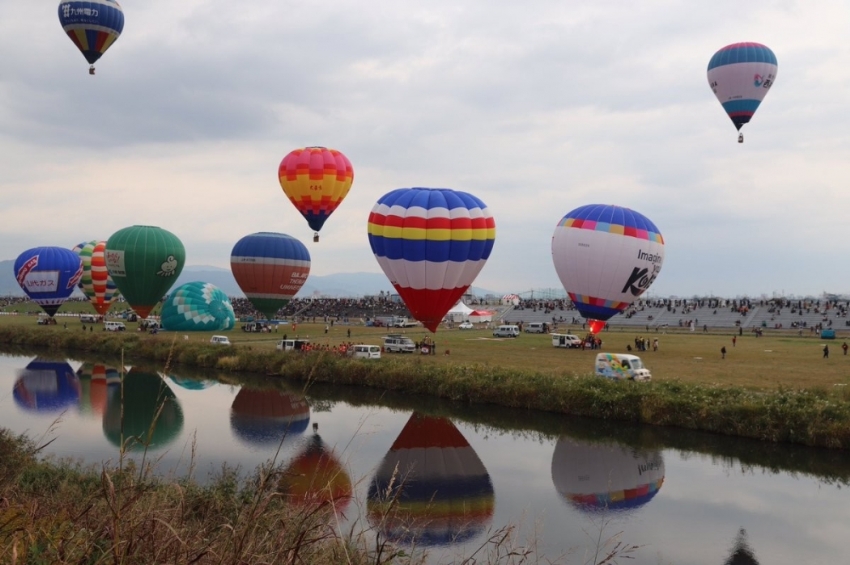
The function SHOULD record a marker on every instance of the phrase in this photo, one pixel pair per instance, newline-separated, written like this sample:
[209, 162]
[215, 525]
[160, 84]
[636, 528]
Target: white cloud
[535, 108]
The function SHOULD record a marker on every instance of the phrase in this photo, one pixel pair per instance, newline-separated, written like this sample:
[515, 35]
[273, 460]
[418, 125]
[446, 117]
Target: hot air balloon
[151, 413]
[316, 180]
[431, 488]
[740, 76]
[601, 477]
[48, 275]
[197, 307]
[270, 268]
[144, 262]
[315, 477]
[265, 417]
[45, 385]
[93, 384]
[93, 25]
[189, 383]
[606, 257]
[431, 244]
[96, 283]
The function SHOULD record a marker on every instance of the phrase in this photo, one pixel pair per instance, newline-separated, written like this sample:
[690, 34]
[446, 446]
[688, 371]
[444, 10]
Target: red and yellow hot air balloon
[317, 478]
[316, 180]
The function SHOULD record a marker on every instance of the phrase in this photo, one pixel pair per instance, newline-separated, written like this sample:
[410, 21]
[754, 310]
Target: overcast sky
[536, 108]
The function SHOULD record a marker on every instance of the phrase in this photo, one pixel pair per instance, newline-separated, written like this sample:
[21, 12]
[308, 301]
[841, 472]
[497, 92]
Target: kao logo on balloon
[606, 257]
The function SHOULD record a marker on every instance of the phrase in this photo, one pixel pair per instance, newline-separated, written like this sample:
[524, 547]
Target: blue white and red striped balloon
[431, 487]
[93, 25]
[48, 275]
[431, 243]
[270, 268]
[606, 257]
[740, 75]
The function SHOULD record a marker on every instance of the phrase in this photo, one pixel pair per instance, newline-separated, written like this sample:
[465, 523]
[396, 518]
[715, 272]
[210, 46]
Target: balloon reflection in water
[742, 554]
[431, 488]
[191, 384]
[597, 477]
[152, 414]
[94, 385]
[317, 478]
[46, 386]
[265, 417]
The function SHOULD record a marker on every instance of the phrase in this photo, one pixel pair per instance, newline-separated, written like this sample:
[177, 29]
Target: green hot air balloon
[144, 262]
[197, 307]
[151, 412]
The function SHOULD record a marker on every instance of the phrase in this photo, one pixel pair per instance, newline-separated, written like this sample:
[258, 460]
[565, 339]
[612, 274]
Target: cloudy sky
[536, 108]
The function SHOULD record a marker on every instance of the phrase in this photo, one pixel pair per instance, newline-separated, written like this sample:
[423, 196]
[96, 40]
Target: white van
[292, 344]
[536, 328]
[219, 340]
[506, 331]
[365, 351]
[399, 344]
[88, 318]
[621, 366]
[114, 326]
[566, 340]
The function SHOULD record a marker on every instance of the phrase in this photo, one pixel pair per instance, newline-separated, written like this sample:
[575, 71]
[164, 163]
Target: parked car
[566, 340]
[220, 340]
[399, 344]
[506, 331]
[465, 326]
[362, 351]
[620, 366]
[292, 344]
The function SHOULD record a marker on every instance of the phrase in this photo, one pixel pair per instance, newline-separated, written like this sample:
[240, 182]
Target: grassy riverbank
[815, 416]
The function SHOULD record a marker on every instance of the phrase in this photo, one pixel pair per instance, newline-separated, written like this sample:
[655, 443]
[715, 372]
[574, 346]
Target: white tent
[479, 316]
[459, 313]
[510, 299]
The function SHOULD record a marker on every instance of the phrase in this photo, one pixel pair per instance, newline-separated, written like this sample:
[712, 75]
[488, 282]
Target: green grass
[780, 400]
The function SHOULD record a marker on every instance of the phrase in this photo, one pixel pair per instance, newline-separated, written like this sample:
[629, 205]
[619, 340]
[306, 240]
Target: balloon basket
[91, 70]
[316, 237]
[740, 138]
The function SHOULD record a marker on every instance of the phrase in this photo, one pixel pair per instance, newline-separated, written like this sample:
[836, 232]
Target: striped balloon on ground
[93, 25]
[606, 257]
[316, 180]
[197, 307]
[740, 76]
[431, 488]
[270, 268]
[96, 283]
[431, 243]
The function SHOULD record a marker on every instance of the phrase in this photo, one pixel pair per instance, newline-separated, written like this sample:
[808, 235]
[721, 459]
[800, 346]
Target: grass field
[779, 359]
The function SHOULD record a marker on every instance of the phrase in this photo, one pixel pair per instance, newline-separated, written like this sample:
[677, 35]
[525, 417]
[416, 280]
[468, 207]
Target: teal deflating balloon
[198, 307]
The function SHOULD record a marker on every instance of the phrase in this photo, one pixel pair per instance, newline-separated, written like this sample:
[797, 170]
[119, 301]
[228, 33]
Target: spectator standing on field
[723, 352]
[826, 352]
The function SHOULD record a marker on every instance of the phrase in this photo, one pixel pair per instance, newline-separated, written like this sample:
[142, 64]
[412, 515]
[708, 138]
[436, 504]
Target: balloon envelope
[92, 25]
[444, 494]
[96, 283]
[431, 244]
[600, 477]
[46, 386]
[265, 417]
[270, 268]
[197, 307]
[144, 262]
[316, 180]
[740, 75]
[93, 395]
[606, 257]
[48, 275]
[151, 412]
[316, 477]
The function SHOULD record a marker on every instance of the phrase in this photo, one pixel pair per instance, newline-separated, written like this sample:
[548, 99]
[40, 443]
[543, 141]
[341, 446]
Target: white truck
[621, 366]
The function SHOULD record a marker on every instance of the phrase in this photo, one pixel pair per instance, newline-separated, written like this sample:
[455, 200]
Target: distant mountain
[338, 285]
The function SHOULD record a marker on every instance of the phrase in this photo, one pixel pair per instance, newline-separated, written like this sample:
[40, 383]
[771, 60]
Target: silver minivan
[506, 331]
